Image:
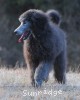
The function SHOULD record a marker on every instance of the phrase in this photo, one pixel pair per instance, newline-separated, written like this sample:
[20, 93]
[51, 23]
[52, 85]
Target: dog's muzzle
[23, 31]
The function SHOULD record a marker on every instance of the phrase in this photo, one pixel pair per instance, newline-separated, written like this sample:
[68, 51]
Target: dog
[44, 46]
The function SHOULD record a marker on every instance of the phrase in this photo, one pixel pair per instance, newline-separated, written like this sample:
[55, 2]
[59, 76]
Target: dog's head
[32, 22]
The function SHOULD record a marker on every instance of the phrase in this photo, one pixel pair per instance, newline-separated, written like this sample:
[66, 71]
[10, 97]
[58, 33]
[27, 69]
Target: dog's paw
[45, 80]
[38, 83]
[61, 80]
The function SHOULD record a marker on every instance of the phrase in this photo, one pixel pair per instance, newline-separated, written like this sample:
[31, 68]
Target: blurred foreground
[14, 85]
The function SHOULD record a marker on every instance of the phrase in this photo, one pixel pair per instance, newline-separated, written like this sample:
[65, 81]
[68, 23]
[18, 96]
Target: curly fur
[55, 16]
[45, 49]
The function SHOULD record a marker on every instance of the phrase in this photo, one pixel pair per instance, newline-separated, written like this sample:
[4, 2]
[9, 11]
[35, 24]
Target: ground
[15, 85]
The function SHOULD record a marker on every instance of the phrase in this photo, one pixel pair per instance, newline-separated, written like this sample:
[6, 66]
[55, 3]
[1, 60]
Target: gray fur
[45, 49]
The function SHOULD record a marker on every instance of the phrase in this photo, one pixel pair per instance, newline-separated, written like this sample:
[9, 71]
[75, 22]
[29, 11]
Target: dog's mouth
[23, 31]
[24, 36]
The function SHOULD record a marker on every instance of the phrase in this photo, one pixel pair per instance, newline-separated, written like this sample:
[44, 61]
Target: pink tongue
[21, 38]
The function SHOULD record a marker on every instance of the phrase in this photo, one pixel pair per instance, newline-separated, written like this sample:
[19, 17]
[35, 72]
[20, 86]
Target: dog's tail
[55, 16]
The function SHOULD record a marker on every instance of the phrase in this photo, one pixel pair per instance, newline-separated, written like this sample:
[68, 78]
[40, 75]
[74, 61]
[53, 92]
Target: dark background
[11, 52]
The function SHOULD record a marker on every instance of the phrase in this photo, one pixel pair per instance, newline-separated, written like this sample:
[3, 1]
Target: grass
[15, 85]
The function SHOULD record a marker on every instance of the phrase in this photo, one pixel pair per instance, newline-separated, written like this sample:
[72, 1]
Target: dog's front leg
[42, 72]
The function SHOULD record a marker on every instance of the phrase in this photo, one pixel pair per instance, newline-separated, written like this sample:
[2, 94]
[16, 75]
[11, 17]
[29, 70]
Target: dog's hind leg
[60, 68]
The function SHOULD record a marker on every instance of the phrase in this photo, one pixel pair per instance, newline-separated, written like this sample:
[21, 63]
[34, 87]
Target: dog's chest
[34, 49]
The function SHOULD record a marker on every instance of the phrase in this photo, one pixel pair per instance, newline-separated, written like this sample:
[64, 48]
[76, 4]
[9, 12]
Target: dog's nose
[15, 32]
[18, 31]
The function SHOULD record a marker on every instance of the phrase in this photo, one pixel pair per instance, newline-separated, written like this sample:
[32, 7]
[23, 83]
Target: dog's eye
[24, 22]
